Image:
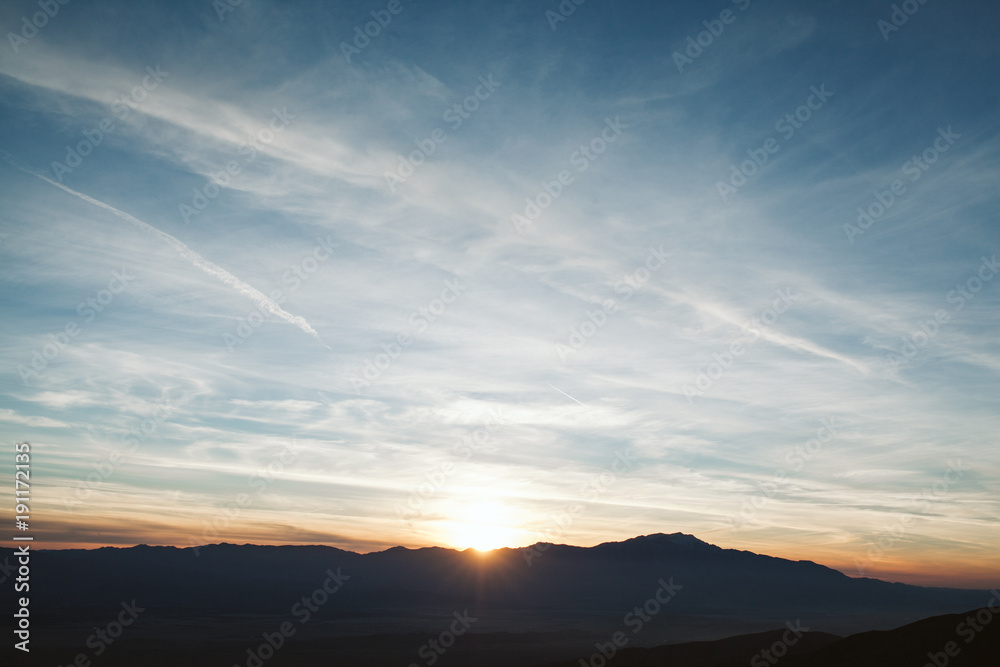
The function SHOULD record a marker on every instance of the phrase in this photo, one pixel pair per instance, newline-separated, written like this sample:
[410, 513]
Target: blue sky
[498, 277]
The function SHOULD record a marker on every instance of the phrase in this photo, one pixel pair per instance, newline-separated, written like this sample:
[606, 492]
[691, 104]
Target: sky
[486, 274]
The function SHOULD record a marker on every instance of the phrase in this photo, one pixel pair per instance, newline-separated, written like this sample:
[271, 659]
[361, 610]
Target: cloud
[26, 420]
[264, 302]
[443, 366]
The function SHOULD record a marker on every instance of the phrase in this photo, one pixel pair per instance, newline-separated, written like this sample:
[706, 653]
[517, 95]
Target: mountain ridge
[718, 579]
[644, 546]
[554, 600]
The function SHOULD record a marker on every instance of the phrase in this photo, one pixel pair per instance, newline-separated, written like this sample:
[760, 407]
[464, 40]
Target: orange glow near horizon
[916, 573]
[485, 525]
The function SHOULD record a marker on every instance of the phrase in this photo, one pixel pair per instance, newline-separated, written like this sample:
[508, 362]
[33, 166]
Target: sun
[483, 525]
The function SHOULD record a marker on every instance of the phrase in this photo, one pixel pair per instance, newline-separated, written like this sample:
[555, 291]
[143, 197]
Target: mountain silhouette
[543, 576]
[531, 604]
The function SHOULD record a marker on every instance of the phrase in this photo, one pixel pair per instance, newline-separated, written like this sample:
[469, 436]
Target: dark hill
[940, 641]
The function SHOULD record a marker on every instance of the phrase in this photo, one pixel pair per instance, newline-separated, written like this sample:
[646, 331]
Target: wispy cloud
[374, 289]
[264, 302]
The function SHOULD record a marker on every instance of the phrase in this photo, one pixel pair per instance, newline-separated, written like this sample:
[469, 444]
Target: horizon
[493, 274]
[912, 579]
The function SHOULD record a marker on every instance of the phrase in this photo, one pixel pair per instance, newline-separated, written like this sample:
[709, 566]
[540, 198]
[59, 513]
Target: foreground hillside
[971, 639]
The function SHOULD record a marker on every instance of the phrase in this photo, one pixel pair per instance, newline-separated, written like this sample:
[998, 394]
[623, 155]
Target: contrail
[564, 393]
[263, 302]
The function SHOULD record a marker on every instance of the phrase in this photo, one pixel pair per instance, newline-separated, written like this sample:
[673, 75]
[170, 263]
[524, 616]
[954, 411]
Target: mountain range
[524, 606]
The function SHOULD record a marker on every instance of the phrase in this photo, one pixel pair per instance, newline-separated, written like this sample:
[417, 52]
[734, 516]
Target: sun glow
[483, 525]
